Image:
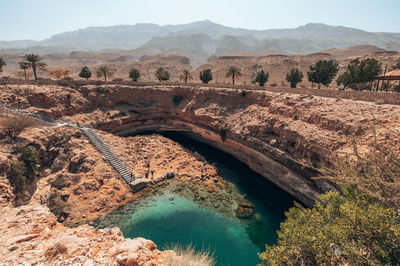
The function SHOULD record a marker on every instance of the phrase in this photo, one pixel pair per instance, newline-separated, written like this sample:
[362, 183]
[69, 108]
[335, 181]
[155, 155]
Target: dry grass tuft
[13, 125]
[188, 256]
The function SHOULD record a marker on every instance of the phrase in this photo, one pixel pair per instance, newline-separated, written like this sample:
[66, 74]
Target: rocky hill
[199, 40]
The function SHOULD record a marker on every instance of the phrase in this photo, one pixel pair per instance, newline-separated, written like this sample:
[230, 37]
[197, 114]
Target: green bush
[222, 132]
[59, 163]
[59, 182]
[353, 228]
[243, 93]
[17, 175]
[206, 76]
[30, 158]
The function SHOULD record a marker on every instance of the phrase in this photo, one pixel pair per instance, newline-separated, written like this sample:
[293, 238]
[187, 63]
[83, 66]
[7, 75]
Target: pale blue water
[183, 221]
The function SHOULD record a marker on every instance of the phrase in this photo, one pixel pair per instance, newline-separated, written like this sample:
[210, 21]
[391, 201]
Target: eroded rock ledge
[276, 134]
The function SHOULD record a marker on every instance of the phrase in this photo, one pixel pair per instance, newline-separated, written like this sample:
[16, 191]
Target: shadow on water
[171, 218]
[270, 201]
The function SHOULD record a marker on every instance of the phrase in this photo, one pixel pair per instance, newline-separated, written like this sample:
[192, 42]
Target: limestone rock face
[31, 234]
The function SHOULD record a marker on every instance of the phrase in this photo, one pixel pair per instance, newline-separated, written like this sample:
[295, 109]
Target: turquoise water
[167, 217]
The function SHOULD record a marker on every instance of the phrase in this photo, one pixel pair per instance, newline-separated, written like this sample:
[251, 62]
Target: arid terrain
[277, 65]
[282, 136]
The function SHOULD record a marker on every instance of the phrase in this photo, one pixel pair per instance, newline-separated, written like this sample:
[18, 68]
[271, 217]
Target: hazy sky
[39, 19]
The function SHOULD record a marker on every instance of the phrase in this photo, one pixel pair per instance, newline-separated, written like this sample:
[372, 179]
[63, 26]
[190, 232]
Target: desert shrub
[30, 159]
[59, 182]
[117, 80]
[353, 228]
[274, 85]
[134, 74]
[360, 225]
[13, 125]
[59, 163]
[295, 117]
[188, 256]
[376, 172]
[17, 175]
[243, 93]
[162, 74]
[222, 132]
[68, 78]
[177, 99]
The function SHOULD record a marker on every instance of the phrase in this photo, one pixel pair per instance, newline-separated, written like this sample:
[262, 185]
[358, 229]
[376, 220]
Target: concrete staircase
[122, 168]
[119, 165]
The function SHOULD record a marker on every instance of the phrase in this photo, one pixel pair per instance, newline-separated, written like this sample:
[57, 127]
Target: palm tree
[2, 63]
[33, 61]
[105, 71]
[185, 76]
[24, 66]
[233, 72]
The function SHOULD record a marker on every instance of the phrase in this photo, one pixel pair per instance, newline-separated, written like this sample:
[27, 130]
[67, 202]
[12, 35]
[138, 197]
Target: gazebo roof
[391, 75]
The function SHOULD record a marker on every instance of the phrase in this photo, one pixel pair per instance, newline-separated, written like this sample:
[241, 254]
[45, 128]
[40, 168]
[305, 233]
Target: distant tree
[85, 73]
[233, 72]
[262, 77]
[294, 76]
[24, 66]
[162, 74]
[323, 72]
[105, 72]
[58, 73]
[134, 74]
[359, 72]
[206, 75]
[34, 62]
[2, 63]
[185, 76]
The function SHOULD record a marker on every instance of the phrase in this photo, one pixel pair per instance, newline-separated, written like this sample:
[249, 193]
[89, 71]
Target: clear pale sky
[39, 19]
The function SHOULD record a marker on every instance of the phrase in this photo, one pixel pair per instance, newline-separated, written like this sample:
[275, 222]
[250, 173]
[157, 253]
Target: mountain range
[199, 40]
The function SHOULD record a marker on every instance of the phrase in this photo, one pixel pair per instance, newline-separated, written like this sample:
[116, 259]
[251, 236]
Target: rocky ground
[76, 185]
[79, 186]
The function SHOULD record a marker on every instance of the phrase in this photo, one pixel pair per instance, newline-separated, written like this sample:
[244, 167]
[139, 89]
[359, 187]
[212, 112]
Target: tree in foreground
[85, 73]
[323, 72]
[24, 66]
[206, 75]
[34, 62]
[262, 77]
[161, 74]
[105, 72]
[353, 228]
[2, 63]
[359, 226]
[294, 76]
[185, 76]
[233, 72]
[359, 73]
[134, 74]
